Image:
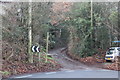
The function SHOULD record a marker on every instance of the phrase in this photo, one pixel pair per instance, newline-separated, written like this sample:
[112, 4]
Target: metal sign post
[36, 49]
[39, 56]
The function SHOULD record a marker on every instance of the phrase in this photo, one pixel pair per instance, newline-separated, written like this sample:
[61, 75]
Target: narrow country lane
[71, 69]
[67, 63]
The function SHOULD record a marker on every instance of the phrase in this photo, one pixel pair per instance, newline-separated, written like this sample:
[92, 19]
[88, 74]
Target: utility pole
[30, 33]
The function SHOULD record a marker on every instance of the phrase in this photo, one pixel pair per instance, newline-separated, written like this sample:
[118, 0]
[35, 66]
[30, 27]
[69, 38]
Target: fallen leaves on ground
[97, 61]
[112, 66]
[17, 67]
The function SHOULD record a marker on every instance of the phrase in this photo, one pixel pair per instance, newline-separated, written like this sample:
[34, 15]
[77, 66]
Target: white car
[112, 53]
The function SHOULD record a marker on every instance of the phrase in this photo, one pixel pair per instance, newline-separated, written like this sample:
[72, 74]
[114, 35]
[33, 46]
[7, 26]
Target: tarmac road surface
[88, 73]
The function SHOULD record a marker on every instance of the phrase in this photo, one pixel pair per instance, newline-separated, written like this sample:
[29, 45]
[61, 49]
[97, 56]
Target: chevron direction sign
[35, 49]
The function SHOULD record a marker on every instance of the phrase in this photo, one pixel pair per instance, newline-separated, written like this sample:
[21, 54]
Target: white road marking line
[50, 73]
[89, 70]
[24, 76]
[70, 71]
[104, 70]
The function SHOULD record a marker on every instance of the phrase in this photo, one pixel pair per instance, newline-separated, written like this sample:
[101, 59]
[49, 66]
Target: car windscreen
[110, 51]
[118, 49]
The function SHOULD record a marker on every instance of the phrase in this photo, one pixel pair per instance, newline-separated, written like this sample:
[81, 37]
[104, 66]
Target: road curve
[68, 63]
[103, 73]
[72, 69]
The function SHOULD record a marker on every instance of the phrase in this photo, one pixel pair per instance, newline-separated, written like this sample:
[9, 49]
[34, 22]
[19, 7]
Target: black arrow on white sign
[35, 48]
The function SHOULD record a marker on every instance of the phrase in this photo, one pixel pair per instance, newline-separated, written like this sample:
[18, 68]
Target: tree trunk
[92, 37]
[47, 41]
[30, 33]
